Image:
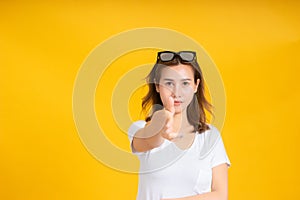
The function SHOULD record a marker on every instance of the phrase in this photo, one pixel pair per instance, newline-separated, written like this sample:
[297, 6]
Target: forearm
[215, 195]
[146, 139]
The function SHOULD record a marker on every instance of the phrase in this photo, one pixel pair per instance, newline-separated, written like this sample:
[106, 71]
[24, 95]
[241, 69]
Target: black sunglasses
[185, 56]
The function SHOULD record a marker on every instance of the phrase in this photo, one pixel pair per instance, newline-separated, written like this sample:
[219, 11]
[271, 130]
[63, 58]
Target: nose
[176, 91]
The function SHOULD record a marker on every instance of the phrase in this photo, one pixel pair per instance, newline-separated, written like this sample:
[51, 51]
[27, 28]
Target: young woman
[181, 156]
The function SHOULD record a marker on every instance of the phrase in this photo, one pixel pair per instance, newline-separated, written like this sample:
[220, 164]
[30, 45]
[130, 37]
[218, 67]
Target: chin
[179, 110]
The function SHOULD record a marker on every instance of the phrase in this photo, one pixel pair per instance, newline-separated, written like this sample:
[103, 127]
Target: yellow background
[255, 45]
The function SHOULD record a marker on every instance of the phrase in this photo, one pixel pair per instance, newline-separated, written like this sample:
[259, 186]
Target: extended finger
[170, 105]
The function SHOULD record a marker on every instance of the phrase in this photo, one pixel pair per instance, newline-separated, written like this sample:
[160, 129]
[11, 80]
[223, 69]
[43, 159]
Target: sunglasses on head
[185, 56]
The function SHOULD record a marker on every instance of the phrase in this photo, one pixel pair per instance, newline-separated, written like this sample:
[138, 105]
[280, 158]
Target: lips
[177, 103]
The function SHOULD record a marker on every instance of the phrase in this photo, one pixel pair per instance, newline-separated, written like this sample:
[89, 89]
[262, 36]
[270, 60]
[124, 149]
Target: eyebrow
[184, 79]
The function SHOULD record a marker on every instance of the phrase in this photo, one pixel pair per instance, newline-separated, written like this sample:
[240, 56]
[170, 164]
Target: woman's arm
[219, 188]
[153, 134]
[146, 139]
[160, 127]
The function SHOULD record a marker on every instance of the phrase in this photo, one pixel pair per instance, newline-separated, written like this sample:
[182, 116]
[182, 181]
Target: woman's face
[178, 82]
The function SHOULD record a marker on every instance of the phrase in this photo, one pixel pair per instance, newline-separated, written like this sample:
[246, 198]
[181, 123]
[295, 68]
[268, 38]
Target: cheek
[188, 94]
[164, 93]
[187, 90]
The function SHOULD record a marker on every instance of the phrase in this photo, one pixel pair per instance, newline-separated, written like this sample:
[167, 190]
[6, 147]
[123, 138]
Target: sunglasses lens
[187, 56]
[166, 56]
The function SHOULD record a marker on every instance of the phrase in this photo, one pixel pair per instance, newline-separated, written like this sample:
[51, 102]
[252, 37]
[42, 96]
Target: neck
[181, 120]
[182, 126]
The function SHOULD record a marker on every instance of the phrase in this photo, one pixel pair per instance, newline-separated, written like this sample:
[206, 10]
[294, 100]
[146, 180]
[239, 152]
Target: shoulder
[135, 126]
[212, 132]
[209, 139]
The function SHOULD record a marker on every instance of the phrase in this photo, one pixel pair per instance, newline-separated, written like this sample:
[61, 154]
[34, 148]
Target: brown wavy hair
[195, 110]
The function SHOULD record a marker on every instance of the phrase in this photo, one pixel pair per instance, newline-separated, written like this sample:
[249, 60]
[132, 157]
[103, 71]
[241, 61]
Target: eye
[185, 83]
[169, 83]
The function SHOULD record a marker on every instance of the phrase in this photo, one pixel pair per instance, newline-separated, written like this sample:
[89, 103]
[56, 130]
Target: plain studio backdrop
[254, 44]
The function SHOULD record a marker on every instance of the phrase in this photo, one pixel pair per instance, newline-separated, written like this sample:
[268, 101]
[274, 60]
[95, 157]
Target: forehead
[177, 72]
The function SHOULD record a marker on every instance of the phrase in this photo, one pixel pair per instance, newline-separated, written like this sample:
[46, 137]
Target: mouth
[177, 103]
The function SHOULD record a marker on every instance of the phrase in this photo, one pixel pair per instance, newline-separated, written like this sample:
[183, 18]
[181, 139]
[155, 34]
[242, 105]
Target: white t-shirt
[170, 172]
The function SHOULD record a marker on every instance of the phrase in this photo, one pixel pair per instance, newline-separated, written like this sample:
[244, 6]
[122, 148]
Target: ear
[156, 86]
[196, 85]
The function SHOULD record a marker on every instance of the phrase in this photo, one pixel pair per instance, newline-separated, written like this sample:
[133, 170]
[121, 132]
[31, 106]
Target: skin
[176, 88]
[178, 83]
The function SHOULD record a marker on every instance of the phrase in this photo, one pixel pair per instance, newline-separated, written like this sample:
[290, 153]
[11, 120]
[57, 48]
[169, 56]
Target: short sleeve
[131, 133]
[133, 129]
[219, 155]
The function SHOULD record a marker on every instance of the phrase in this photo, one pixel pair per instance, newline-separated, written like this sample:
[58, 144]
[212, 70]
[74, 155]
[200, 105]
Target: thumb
[170, 105]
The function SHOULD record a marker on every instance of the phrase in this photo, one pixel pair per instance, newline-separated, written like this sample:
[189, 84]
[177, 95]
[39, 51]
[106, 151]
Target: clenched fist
[162, 121]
